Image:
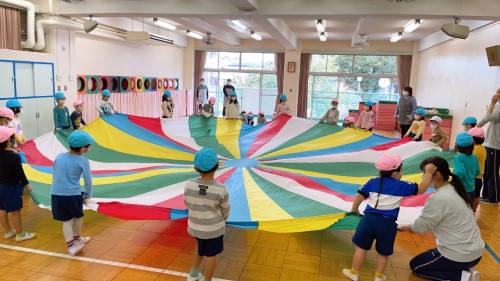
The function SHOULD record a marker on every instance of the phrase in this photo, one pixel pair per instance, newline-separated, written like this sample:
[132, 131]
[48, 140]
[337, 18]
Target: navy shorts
[210, 247]
[11, 197]
[413, 135]
[65, 208]
[478, 185]
[472, 194]
[376, 227]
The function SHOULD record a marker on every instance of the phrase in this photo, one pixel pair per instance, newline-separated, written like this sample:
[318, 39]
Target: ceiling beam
[245, 5]
[279, 31]
[201, 25]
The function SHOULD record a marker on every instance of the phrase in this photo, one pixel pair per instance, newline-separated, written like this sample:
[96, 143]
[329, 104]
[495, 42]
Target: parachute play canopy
[288, 175]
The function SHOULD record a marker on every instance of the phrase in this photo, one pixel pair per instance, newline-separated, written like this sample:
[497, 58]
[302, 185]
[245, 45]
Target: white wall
[456, 75]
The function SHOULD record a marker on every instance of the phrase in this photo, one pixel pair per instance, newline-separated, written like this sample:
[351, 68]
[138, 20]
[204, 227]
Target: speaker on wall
[493, 54]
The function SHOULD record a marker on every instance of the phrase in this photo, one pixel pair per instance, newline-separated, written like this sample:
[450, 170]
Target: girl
[469, 122]
[62, 120]
[349, 122]
[250, 119]
[105, 106]
[366, 119]
[331, 115]
[261, 119]
[6, 116]
[12, 181]
[417, 126]
[167, 105]
[283, 108]
[437, 136]
[16, 107]
[379, 220]
[465, 164]
[232, 107]
[207, 110]
[480, 152]
[76, 117]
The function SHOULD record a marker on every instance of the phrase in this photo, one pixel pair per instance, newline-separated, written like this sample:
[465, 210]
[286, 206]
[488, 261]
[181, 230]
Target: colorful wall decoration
[94, 84]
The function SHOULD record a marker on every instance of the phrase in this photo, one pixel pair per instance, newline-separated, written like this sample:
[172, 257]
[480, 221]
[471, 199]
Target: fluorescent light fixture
[238, 25]
[320, 25]
[255, 35]
[412, 25]
[396, 36]
[164, 24]
[323, 36]
[194, 34]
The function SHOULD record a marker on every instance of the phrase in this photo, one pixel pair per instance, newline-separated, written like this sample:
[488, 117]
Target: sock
[68, 230]
[194, 272]
[354, 271]
[379, 274]
[77, 227]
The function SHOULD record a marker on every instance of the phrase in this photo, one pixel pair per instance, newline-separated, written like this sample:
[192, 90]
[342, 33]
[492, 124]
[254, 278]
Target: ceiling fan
[208, 41]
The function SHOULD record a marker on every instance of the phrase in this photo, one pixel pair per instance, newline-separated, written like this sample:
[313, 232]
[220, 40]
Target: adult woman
[448, 214]
[491, 180]
[405, 110]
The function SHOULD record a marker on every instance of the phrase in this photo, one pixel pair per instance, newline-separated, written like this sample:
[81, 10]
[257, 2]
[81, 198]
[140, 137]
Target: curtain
[404, 72]
[305, 64]
[10, 28]
[200, 58]
[279, 64]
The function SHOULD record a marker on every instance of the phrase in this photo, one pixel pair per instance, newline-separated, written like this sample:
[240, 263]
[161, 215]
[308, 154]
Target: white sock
[68, 230]
[465, 276]
[77, 227]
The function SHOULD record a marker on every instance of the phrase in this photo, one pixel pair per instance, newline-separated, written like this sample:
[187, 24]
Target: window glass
[212, 60]
[229, 60]
[268, 63]
[251, 61]
[339, 63]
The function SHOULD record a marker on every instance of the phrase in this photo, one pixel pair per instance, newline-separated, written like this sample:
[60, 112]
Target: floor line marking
[105, 262]
[492, 253]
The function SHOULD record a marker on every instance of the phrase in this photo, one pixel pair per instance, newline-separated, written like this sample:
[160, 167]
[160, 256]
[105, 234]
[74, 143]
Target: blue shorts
[210, 247]
[478, 185]
[11, 197]
[413, 135]
[376, 227]
[65, 208]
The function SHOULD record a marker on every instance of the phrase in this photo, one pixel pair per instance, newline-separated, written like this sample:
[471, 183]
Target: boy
[104, 106]
[438, 137]
[331, 115]
[469, 122]
[62, 120]
[76, 117]
[67, 199]
[207, 110]
[208, 206]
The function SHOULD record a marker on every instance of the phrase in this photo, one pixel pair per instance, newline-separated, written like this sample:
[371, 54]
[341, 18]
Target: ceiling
[288, 21]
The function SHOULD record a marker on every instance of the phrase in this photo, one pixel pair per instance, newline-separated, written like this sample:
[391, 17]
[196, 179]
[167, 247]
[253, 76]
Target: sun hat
[436, 119]
[476, 132]
[463, 139]
[167, 93]
[6, 133]
[59, 96]
[77, 103]
[352, 119]
[211, 100]
[420, 111]
[106, 93]
[233, 94]
[283, 97]
[205, 159]
[13, 103]
[80, 139]
[388, 162]
[469, 120]
[6, 113]
[369, 103]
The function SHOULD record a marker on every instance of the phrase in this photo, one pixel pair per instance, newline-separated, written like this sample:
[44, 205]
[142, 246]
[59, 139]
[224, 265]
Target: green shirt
[466, 168]
[61, 117]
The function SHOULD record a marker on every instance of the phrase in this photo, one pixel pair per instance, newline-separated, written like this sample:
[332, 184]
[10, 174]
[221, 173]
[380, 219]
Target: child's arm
[112, 106]
[444, 138]
[98, 108]
[336, 117]
[358, 122]
[429, 171]
[410, 129]
[87, 178]
[56, 122]
[68, 116]
[324, 117]
[420, 131]
[224, 205]
[73, 118]
[371, 121]
[357, 201]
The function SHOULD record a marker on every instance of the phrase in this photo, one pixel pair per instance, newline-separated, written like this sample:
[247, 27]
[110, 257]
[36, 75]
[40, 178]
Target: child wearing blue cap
[469, 122]
[283, 107]
[105, 106]
[66, 192]
[167, 105]
[366, 119]
[15, 123]
[208, 207]
[232, 106]
[62, 118]
[465, 164]
[417, 126]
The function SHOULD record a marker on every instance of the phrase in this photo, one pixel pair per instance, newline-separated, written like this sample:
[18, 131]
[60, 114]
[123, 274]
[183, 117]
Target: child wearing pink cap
[261, 119]
[6, 116]
[349, 122]
[480, 152]
[207, 109]
[76, 117]
[384, 193]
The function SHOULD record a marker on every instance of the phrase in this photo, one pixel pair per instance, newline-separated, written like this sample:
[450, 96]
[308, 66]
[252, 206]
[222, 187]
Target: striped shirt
[208, 207]
[391, 194]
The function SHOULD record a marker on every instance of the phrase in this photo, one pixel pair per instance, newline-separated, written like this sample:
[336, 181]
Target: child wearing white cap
[76, 117]
[437, 136]
[384, 194]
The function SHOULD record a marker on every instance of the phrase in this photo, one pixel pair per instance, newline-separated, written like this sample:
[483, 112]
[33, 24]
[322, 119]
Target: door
[43, 79]
[45, 118]
[29, 118]
[7, 80]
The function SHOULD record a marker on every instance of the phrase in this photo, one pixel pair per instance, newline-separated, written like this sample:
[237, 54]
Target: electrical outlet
[58, 88]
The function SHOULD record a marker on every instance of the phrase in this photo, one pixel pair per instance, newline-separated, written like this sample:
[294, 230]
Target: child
[274, 116]
[469, 122]
[243, 116]
[16, 106]
[207, 226]
[283, 107]
[465, 164]
[331, 115]
[167, 105]
[437, 137]
[261, 119]
[227, 90]
[6, 116]
[62, 119]
[379, 220]
[12, 182]
[66, 192]
[232, 107]
[366, 119]
[76, 117]
[417, 126]
[249, 118]
[480, 152]
[104, 106]
[349, 122]
[207, 110]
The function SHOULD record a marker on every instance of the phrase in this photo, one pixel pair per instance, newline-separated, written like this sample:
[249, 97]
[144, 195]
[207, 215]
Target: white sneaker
[75, 249]
[474, 274]
[10, 234]
[25, 236]
[383, 278]
[348, 274]
[200, 277]
[465, 276]
[82, 240]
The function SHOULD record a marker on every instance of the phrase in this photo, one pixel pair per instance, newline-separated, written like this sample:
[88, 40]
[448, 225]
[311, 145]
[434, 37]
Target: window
[351, 79]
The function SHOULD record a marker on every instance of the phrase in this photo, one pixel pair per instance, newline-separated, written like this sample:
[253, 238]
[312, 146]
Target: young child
[465, 164]
[6, 116]
[274, 116]
[261, 119]
[243, 116]
[366, 119]
[232, 107]
[16, 107]
[208, 227]
[437, 136]
[480, 153]
[167, 105]
[76, 117]
[62, 119]
[283, 107]
[105, 106]
[207, 110]
[349, 122]
[12, 182]
[379, 220]
[331, 115]
[249, 118]
[469, 122]
[66, 192]
[417, 127]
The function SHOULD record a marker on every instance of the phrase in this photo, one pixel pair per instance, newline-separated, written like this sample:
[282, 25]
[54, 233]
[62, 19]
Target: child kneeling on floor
[381, 213]
[208, 206]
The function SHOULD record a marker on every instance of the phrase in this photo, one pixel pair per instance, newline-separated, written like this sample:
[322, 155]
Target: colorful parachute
[288, 175]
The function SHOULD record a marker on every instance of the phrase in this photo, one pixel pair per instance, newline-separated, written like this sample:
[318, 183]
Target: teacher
[448, 214]
[405, 110]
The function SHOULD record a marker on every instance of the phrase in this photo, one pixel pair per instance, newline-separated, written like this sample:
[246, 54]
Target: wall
[456, 75]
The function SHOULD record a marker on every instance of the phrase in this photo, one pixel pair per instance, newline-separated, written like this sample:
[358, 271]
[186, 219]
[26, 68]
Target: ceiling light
[396, 36]
[412, 25]
[255, 35]
[194, 34]
[164, 24]
[237, 25]
[320, 25]
[323, 36]
[90, 25]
